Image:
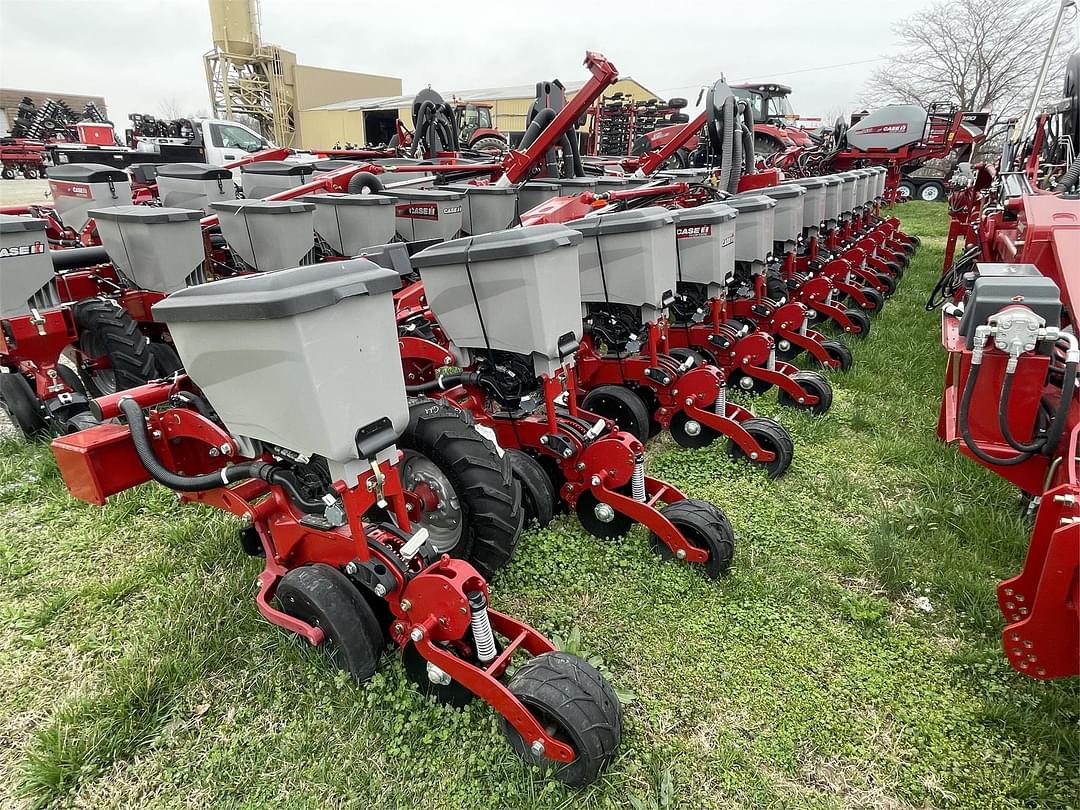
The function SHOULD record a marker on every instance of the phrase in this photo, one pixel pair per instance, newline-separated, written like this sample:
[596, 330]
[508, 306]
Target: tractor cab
[768, 102]
[475, 127]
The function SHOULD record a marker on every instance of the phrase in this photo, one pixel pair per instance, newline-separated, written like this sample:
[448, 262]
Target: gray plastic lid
[512, 244]
[337, 198]
[332, 164]
[704, 214]
[431, 194]
[277, 167]
[751, 202]
[491, 191]
[638, 219]
[194, 171]
[87, 173]
[13, 224]
[543, 185]
[249, 207]
[832, 180]
[276, 294]
[576, 181]
[145, 214]
[784, 192]
[848, 177]
[393, 256]
[808, 182]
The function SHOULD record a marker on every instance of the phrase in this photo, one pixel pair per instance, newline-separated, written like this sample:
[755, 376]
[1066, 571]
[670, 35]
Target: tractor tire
[679, 159]
[106, 330]
[765, 147]
[678, 118]
[497, 146]
[677, 103]
[445, 450]
[905, 191]
[571, 696]
[322, 596]
[622, 406]
[538, 495]
[932, 192]
[772, 436]
[704, 526]
[365, 183]
[20, 403]
[816, 385]
[166, 360]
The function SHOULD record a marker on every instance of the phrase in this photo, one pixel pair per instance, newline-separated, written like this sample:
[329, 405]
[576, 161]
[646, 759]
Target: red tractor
[476, 130]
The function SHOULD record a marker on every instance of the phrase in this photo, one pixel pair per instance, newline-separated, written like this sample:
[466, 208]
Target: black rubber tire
[902, 259]
[772, 436]
[622, 406]
[567, 693]
[166, 361]
[860, 319]
[365, 183]
[875, 299]
[31, 173]
[817, 385]
[80, 420]
[887, 281]
[20, 403]
[678, 118]
[538, 495]
[482, 478]
[705, 527]
[681, 355]
[491, 144]
[905, 191]
[324, 597]
[757, 386]
[677, 103]
[678, 430]
[837, 351]
[106, 326]
[679, 159]
[931, 192]
[8, 173]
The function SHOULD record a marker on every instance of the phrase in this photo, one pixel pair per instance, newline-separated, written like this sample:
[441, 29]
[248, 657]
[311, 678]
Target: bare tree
[979, 54]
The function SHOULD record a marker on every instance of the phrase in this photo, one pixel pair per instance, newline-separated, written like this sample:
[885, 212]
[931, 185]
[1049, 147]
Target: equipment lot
[852, 659]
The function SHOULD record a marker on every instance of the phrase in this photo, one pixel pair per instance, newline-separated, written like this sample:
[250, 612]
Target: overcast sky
[139, 53]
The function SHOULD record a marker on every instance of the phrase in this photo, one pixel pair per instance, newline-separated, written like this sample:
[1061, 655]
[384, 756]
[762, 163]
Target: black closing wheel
[888, 282]
[874, 300]
[690, 433]
[742, 381]
[538, 495]
[622, 406]
[21, 405]
[577, 706]
[901, 259]
[772, 436]
[106, 331]
[599, 519]
[324, 597]
[470, 502]
[813, 383]
[860, 320]
[837, 351]
[704, 526]
[432, 681]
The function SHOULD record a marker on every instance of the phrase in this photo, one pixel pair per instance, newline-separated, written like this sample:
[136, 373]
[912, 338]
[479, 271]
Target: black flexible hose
[1003, 419]
[442, 383]
[536, 126]
[1057, 426]
[568, 157]
[965, 428]
[140, 437]
[1067, 182]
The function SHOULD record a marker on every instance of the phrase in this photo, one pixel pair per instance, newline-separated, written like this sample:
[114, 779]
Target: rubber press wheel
[772, 436]
[874, 299]
[861, 320]
[21, 405]
[324, 597]
[471, 501]
[837, 351]
[538, 495]
[106, 330]
[575, 705]
[704, 526]
[813, 383]
[622, 406]
[888, 282]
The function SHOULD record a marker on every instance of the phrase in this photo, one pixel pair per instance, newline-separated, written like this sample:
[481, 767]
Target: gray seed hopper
[27, 280]
[351, 222]
[194, 185]
[267, 235]
[158, 249]
[265, 177]
[78, 187]
[424, 213]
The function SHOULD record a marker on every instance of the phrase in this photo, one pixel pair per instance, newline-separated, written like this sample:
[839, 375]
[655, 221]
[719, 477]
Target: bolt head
[692, 428]
[595, 481]
[688, 401]
[604, 513]
[537, 749]
[581, 465]
[416, 634]
[405, 605]
[754, 456]
[380, 590]
[681, 554]
[350, 568]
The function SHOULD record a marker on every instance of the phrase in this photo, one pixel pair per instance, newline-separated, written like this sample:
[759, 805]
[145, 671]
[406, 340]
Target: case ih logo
[693, 231]
[729, 241]
[424, 210]
[22, 250]
[882, 129]
[59, 189]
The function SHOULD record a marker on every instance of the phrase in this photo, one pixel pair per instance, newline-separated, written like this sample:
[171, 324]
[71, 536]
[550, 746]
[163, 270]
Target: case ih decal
[22, 250]
[882, 129]
[418, 210]
[60, 189]
[692, 231]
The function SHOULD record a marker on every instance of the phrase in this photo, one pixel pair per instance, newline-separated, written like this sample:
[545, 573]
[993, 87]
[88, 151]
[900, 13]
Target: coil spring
[481, 627]
[720, 406]
[637, 482]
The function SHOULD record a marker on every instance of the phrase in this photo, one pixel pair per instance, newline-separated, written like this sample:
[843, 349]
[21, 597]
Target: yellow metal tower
[247, 77]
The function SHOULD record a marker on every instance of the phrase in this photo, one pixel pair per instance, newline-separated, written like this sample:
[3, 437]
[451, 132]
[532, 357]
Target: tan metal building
[11, 97]
[317, 86]
[369, 120]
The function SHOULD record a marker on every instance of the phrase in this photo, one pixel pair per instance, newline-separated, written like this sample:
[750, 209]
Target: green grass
[136, 672]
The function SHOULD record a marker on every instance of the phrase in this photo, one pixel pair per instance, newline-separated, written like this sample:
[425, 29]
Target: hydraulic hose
[575, 150]
[262, 470]
[536, 126]
[965, 428]
[749, 158]
[568, 157]
[442, 383]
[1067, 182]
[1049, 442]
